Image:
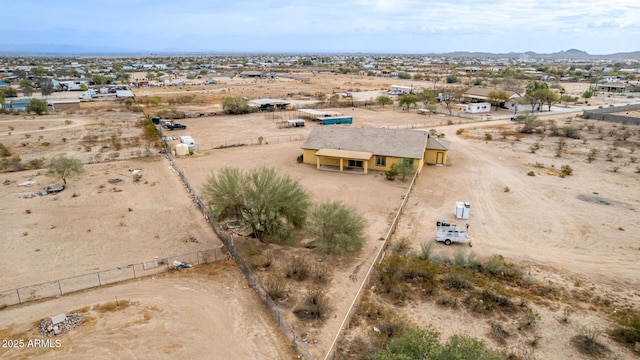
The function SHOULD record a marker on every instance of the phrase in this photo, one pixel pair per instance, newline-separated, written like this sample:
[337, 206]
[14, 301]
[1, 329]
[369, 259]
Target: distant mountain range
[74, 50]
[569, 54]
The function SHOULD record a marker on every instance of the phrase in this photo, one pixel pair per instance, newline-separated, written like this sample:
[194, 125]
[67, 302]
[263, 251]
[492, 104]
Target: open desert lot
[576, 231]
[205, 312]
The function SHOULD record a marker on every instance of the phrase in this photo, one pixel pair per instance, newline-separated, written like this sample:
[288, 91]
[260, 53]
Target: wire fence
[105, 277]
[245, 142]
[367, 278]
[229, 246]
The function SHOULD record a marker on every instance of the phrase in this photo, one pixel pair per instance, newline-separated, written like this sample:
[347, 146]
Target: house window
[381, 161]
[355, 163]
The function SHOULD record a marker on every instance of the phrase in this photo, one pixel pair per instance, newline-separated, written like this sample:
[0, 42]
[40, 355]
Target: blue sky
[339, 26]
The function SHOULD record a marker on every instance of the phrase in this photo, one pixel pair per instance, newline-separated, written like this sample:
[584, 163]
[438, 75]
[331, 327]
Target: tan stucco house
[359, 150]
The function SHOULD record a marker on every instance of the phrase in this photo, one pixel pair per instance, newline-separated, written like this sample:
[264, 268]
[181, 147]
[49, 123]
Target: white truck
[450, 233]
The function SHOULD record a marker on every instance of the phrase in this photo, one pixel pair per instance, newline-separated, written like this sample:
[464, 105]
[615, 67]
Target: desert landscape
[573, 234]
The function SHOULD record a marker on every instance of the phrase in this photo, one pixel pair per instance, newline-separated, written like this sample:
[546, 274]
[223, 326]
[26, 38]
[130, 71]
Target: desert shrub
[391, 325]
[456, 281]
[4, 151]
[275, 286]
[498, 266]
[488, 301]
[531, 173]
[171, 114]
[534, 147]
[571, 132]
[320, 273]
[587, 342]
[426, 249]
[391, 173]
[565, 170]
[498, 333]
[459, 131]
[627, 328]
[36, 163]
[425, 344]
[488, 136]
[402, 246]
[297, 268]
[259, 258]
[337, 228]
[315, 306]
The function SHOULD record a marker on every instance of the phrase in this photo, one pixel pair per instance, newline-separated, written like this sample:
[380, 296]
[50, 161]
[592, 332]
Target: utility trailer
[450, 233]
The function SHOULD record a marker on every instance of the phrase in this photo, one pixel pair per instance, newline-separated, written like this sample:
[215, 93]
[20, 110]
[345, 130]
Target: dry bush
[314, 307]
[320, 273]
[112, 306]
[298, 268]
[498, 333]
[587, 342]
[275, 286]
[456, 281]
[487, 302]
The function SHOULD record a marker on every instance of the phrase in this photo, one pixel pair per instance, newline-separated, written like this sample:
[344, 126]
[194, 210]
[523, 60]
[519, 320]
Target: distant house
[358, 150]
[19, 104]
[479, 107]
[251, 74]
[518, 103]
[479, 94]
[270, 104]
[615, 86]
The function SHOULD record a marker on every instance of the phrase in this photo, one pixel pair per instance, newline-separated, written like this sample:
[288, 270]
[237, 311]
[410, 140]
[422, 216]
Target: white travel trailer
[450, 233]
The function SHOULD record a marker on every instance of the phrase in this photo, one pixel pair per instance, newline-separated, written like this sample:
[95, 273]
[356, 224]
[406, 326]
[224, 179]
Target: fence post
[18, 293]
[99, 281]
[133, 266]
[59, 287]
[198, 256]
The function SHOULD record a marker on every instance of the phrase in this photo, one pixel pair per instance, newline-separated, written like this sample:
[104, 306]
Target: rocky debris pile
[60, 324]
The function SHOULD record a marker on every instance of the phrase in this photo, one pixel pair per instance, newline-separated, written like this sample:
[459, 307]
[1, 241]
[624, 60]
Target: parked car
[174, 126]
[516, 118]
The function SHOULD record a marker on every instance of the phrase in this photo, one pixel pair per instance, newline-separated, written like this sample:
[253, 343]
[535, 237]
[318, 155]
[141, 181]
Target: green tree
[8, 91]
[452, 79]
[404, 75]
[37, 106]
[531, 124]
[235, 105]
[549, 97]
[27, 87]
[384, 100]
[497, 97]
[270, 205]
[587, 94]
[63, 167]
[536, 93]
[99, 79]
[46, 86]
[337, 228]
[38, 71]
[123, 77]
[407, 100]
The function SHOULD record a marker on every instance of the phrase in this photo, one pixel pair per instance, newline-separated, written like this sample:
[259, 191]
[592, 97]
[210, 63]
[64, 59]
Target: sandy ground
[56, 236]
[541, 221]
[207, 312]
